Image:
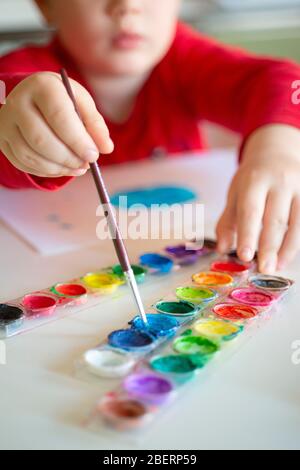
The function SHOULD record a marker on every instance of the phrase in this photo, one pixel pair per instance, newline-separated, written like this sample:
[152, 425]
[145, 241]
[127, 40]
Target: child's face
[114, 37]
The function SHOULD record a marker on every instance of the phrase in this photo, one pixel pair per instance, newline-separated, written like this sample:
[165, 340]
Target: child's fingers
[226, 232]
[276, 219]
[226, 228]
[250, 211]
[57, 108]
[93, 121]
[40, 137]
[30, 162]
[291, 243]
[8, 152]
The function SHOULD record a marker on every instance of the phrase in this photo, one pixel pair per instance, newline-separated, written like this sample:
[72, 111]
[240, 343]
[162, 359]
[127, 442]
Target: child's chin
[130, 66]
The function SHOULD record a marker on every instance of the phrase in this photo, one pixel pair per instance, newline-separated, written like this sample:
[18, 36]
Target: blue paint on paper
[157, 195]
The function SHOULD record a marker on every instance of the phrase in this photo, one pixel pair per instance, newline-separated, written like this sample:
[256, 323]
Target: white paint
[107, 363]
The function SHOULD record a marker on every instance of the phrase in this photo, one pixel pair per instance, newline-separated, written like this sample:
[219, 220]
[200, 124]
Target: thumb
[92, 119]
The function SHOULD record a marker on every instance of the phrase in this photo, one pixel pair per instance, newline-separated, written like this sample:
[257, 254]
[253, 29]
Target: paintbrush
[110, 215]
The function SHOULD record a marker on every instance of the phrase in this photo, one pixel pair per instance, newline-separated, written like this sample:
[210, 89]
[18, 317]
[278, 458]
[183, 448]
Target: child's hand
[41, 134]
[264, 200]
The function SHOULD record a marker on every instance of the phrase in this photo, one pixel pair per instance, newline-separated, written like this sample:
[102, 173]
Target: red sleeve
[14, 68]
[233, 88]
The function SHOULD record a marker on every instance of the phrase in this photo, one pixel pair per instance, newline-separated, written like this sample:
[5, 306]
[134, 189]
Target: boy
[153, 79]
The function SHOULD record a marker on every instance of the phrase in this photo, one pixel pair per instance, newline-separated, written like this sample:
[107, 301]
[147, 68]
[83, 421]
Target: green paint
[176, 308]
[195, 345]
[138, 271]
[187, 333]
[195, 294]
[175, 364]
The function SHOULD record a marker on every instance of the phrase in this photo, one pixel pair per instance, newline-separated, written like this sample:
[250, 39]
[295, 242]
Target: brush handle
[111, 220]
[102, 192]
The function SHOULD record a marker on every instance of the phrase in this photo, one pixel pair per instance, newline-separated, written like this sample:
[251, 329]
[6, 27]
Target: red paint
[71, 290]
[38, 304]
[235, 312]
[229, 267]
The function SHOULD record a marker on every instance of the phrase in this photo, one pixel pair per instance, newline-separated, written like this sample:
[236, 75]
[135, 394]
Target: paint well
[180, 309]
[39, 305]
[102, 282]
[151, 388]
[196, 295]
[184, 255]
[173, 364]
[69, 290]
[157, 195]
[10, 314]
[130, 340]
[217, 329]
[213, 279]
[270, 283]
[124, 413]
[253, 297]
[230, 267]
[195, 345]
[138, 271]
[108, 363]
[235, 312]
[158, 325]
[157, 262]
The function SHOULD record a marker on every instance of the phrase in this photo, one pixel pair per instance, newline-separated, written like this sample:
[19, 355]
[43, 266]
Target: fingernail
[246, 254]
[91, 155]
[79, 172]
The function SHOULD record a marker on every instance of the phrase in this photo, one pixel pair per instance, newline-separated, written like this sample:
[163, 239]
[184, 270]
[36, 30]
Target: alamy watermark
[296, 92]
[159, 222]
[2, 92]
[2, 353]
[296, 352]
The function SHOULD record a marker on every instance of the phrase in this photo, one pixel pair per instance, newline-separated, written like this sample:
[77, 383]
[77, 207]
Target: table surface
[252, 401]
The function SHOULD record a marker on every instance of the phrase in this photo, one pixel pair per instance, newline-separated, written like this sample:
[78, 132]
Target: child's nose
[123, 7]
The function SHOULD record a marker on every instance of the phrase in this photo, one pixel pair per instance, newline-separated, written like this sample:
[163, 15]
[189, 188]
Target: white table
[252, 401]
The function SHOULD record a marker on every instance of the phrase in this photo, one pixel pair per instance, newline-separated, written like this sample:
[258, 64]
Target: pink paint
[39, 305]
[254, 297]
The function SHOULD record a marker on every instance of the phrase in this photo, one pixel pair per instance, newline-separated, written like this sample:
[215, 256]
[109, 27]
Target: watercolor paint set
[66, 298]
[188, 332]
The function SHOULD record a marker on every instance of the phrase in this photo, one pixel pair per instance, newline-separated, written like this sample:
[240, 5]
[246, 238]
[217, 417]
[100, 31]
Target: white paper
[57, 222]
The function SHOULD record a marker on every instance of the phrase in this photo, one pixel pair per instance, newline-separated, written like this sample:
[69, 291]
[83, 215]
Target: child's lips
[127, 41]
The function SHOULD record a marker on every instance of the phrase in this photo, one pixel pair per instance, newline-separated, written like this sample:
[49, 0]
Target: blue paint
[130, 339]
[157, 262]
[156, 195]
[158, 325]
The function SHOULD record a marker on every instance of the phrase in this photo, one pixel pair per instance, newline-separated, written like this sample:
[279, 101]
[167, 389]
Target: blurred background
[269, 27]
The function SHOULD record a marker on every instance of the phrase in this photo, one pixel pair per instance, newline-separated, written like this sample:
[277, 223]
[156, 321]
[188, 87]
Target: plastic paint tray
[71, 297]
[160, 374]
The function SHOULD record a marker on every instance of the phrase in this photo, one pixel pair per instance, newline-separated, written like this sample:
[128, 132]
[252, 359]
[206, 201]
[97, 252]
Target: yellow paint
[102, 282]
[213, 279]
[216, 328]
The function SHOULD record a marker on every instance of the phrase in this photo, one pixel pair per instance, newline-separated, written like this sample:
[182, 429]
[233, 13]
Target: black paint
[9, 314]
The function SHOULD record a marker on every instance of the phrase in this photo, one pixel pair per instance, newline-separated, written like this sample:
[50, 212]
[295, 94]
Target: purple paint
[185, 255]
[151, 388]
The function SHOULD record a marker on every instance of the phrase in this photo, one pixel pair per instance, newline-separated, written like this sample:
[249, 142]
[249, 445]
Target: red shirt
[198, 79]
